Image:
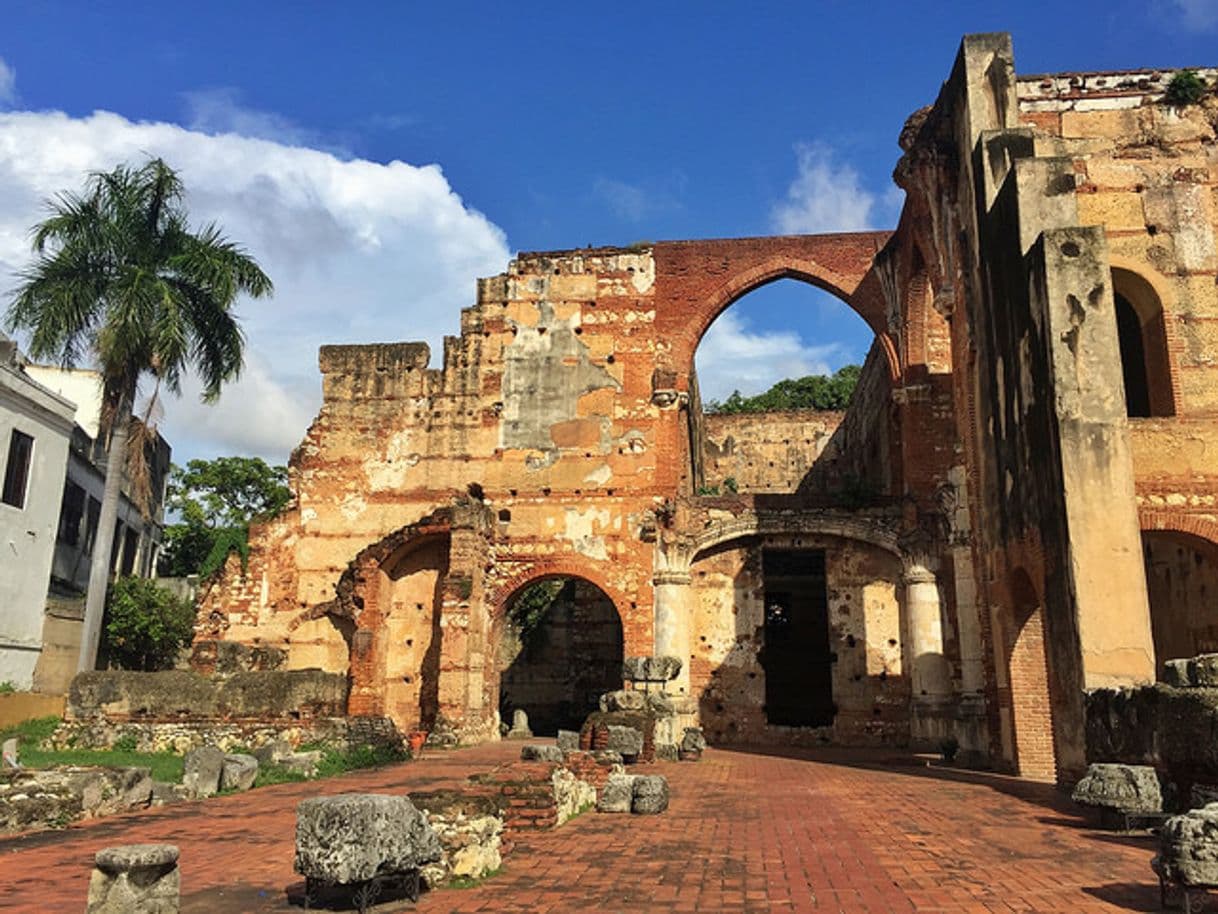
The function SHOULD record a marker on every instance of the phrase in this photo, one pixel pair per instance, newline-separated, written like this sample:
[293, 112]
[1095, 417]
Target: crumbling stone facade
[963, 551]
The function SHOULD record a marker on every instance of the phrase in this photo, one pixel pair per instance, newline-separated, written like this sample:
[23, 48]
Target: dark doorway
[561, 648]
[797, 660]
[1133, 358]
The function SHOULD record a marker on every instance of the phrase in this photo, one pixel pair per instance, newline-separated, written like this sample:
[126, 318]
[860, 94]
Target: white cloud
[733, 357]
[8, 84]
[359, 252]
[1197, 15]
[825, 196]
[221, 111]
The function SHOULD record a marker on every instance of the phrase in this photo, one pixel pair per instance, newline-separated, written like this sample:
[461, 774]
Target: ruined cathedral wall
[542, 407]
[1146, 173]
[765, 452]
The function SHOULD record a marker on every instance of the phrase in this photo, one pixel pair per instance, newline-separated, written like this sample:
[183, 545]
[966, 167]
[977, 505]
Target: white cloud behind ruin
[359, 251]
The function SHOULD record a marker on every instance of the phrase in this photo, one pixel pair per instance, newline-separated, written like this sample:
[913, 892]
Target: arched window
[1142, 334]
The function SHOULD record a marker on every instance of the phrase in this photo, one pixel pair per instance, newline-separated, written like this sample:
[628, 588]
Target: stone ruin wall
[989, 418]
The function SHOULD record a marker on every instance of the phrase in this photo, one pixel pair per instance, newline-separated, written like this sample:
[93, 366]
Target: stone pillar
[972, 729]
[930, 676]
[672, 624]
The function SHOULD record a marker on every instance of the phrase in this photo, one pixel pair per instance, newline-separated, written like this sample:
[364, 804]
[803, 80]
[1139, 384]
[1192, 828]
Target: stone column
[672, 623]
[930, 676]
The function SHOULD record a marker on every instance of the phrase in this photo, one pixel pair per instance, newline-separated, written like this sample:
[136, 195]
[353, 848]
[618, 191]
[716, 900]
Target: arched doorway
[1142, 335]
[1182, 589]
[560, 647]
[772, 380]
[1031, 706]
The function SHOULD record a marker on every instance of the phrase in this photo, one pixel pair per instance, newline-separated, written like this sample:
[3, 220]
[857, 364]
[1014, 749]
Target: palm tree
[119, 277]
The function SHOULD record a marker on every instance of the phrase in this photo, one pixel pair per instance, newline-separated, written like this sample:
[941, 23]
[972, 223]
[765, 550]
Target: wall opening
[413, 584]
[796, 654]
[771, 382]
[1142, 335]
[1028, 675]
[560, 648]
[1182, 587]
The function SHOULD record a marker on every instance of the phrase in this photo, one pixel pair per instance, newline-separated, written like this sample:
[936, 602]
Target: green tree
[146, 625]
[120, 278]
[811, 392]
[214, 502]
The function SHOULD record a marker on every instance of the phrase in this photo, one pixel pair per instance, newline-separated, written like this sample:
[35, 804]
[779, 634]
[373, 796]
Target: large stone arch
[697, 280]
[1180, 552]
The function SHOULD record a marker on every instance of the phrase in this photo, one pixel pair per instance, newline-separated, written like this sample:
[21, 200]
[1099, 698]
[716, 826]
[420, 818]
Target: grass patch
[32, 734]
[340, 761]
[469, 882]
[165, 765]
[269, 775]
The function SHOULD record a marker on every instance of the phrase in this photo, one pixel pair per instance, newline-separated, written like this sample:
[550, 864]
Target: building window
[1142, 336]
[17, 470]
[70, 514]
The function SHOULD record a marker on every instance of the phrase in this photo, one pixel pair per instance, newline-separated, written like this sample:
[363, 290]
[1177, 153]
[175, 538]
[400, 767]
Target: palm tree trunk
[103, 544]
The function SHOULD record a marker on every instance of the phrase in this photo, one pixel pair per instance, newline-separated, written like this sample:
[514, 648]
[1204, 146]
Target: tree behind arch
[120, 279]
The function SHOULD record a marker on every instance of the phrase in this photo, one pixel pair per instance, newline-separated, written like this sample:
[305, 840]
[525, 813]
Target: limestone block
[1200, 672]
[238, 772]
[693, 740]
[272, 752]
[649, 794]
[166, 794]
[626, 740]
[520, 725]
[135, 879]
[305, 763]
[536, 753]
[568, 740]
[617, 795]
[203, 768]
[651, 669]
[608, 757]
[623, 700]
[351, 837]
[1130, 789]
[1188, 848]
[572, 795]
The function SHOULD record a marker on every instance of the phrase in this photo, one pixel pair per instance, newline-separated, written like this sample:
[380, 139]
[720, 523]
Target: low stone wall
[182, 736]
[470, 829]
[55, 797]
[183, 694]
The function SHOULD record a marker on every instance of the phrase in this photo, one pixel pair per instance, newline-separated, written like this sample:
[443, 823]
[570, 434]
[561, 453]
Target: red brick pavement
[813, 831]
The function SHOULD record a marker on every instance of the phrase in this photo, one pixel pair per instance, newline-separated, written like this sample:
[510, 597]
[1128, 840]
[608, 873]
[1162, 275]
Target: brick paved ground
[746, 832]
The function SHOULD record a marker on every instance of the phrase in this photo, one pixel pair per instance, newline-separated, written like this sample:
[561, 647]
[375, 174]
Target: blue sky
[551, 125]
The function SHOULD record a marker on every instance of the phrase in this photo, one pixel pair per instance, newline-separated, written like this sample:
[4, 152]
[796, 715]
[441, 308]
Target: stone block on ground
[270, 753]
[520, 725]
[626, 740]
[693, 740]
[166, 794]
[608, 757]
[135, 879]
[202, 770]
[9, 754]
[470, 829]
[540, 753]
[238, 772]
[1128, 789]
[568, 740]
[572, 795]
[649, 795]
[617, 795]
[305, 763]
[1188, 847]
[351, 837]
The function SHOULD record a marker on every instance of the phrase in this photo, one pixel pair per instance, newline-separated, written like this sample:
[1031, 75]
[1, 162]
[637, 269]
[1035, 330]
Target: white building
[36, 428]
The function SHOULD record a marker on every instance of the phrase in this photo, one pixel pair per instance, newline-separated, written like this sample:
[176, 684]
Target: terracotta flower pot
[415, 741]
